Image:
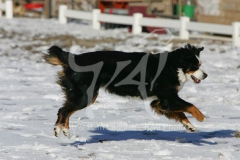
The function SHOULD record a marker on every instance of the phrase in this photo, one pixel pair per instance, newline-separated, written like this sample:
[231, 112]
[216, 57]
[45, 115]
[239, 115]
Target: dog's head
[188, 64]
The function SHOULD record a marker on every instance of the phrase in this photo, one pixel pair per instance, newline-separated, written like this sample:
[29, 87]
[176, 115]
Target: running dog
[160, 76]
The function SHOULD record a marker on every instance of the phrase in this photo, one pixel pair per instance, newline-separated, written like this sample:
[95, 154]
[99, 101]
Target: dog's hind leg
[58, 125]
[65, 112]
[65, 119]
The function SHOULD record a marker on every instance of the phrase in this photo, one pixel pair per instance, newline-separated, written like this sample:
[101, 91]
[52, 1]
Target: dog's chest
[181, 78]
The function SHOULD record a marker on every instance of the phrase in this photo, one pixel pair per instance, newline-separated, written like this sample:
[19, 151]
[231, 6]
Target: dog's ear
[188, 46]
[197, 52]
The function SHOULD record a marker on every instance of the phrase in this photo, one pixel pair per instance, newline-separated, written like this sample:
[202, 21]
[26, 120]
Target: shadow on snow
[197, 138]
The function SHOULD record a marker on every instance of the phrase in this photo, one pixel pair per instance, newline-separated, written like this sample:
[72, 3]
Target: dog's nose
[204, 75]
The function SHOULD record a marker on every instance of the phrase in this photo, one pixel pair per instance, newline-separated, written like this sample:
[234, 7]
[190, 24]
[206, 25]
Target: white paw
[66, 132]
[189, 126]
[57, 130]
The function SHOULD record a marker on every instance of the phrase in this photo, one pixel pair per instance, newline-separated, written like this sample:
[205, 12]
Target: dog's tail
[56, 56]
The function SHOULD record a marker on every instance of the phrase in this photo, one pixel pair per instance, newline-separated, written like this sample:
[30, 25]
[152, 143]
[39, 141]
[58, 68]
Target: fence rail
[214, 28]
[184, 25]
[7, 7]
[112, 19]
[160, 22]
[78, 15]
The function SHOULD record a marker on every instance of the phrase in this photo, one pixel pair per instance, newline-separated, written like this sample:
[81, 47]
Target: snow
[118, 128]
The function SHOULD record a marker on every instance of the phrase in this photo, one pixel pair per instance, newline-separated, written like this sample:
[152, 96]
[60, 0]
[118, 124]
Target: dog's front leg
[196, 113]
[176, 104]
[177, 116]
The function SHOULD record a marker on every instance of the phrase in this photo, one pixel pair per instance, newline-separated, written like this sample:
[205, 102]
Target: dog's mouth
[195, 79]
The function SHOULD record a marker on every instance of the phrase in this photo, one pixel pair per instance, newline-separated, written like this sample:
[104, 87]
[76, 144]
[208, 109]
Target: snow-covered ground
[118, 128]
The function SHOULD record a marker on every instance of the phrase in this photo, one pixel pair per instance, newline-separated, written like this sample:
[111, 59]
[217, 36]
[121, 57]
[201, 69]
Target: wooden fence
[184, 25]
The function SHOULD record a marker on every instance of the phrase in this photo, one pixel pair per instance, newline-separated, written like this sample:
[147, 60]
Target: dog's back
[116, 66]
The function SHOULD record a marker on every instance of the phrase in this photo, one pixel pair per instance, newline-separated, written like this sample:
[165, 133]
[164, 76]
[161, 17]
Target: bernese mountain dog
[136, 74]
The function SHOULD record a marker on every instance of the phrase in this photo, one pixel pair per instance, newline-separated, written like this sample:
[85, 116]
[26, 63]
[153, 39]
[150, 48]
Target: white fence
[137, 21]
[7, 7]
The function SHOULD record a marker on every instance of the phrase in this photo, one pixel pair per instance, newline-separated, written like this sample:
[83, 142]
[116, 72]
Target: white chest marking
[181, 78]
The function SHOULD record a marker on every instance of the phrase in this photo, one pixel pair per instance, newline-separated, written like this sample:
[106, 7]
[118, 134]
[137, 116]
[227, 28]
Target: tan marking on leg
[59, 119]
[177, 116]
[66, 126]
[180, 116]
[67, 120]
[196, 113]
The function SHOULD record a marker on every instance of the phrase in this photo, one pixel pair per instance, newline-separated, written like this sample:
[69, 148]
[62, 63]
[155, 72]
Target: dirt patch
[34, 44]
[66, 41]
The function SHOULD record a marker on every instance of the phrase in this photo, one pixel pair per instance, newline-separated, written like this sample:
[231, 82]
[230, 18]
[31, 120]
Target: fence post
[136, 27]
[95, 23]
[236, 34]
[1, 6]
[183, 33]
[9, 9]
[61, 14]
